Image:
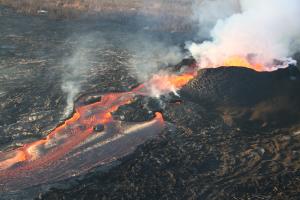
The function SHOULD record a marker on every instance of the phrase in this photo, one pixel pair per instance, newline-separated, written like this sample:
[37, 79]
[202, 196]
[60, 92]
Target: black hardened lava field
[122, 106]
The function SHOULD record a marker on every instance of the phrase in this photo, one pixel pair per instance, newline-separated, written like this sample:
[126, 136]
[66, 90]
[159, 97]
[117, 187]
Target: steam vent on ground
[181, 99]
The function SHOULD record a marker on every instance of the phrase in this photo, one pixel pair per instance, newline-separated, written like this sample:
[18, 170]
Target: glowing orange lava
[166, 81]
[239, 61]
[36, 157]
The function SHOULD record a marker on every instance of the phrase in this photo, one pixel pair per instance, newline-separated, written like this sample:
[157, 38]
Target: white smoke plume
[206, 13]
[149, 56]
[71, 81]
[75, 68]
[264, 32]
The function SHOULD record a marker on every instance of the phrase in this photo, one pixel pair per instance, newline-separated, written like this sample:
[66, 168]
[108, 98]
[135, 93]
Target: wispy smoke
[76, 67]
[208, 12]
[265, 32]
[149, 56]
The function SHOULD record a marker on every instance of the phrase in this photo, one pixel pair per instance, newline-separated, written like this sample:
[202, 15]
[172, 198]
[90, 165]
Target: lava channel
[76, 146]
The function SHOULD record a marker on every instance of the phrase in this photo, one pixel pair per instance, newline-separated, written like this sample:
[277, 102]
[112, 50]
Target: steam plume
[265, 32]
[149, 56]
[76, 67]
[208, 12]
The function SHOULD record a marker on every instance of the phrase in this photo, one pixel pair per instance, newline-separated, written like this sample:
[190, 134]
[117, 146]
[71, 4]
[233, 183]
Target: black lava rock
[240, 86]
[213, 149]
[99, 128]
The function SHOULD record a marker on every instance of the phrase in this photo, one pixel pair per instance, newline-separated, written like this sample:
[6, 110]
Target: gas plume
[206, 14]
[149, 56]
[262, 36]
[76, 67]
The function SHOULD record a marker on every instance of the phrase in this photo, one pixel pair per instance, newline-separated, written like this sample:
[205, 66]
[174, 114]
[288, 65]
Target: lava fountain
[76, 146]
[238, 61]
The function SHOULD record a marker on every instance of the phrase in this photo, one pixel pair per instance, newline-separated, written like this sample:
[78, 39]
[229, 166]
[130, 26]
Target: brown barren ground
[171, 15]
[67, 8]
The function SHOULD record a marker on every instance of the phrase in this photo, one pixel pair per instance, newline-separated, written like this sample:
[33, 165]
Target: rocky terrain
[232, 134]
[167, 14]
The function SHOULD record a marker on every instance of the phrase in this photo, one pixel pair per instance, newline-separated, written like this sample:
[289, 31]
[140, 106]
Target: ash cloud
[265, 32]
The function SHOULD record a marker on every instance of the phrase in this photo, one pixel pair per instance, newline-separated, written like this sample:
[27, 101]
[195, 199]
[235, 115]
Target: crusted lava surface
[232, 134]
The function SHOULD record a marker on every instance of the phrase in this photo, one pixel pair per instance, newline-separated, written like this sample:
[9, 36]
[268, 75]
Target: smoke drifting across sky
[150, 55]
[261, 31]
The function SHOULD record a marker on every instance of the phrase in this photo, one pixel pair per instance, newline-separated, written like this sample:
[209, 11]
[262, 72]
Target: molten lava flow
[239, 61]
[165, 82]
[75, 147]
[162, 83]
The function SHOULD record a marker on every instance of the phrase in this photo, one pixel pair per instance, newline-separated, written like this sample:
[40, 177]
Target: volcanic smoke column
[263, 36]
